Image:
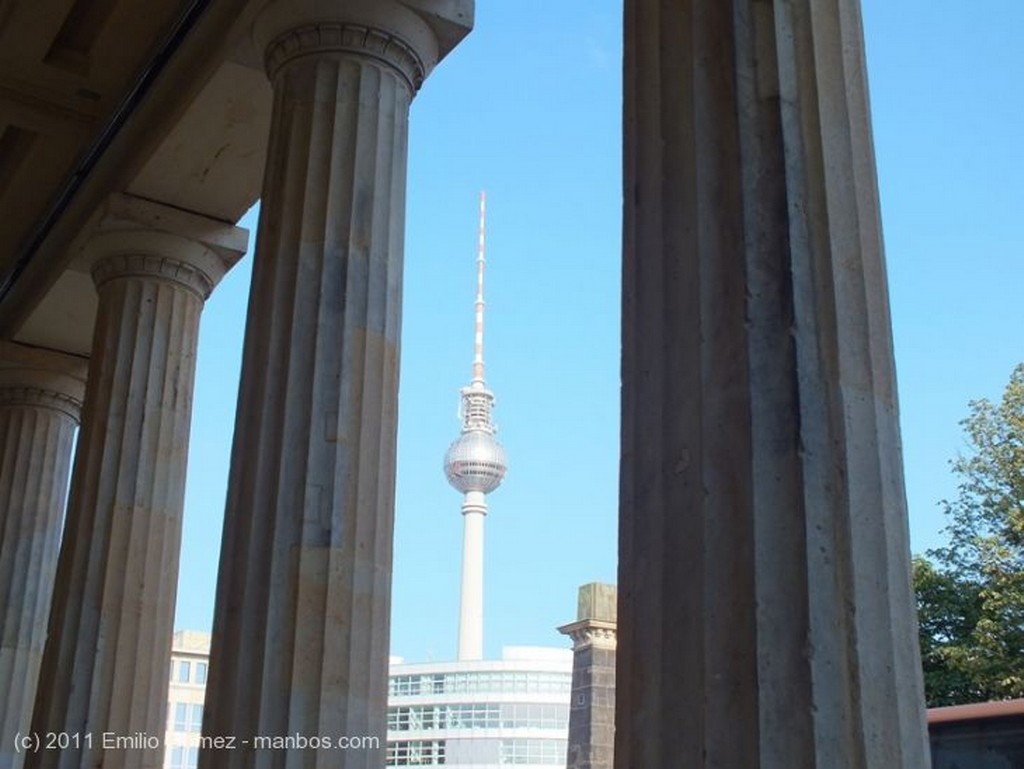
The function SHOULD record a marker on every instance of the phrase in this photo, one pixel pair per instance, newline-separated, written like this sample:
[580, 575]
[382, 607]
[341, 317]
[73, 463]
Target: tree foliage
[970, 594]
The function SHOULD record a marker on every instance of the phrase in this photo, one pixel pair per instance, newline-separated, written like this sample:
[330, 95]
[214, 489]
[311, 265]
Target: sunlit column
[40, 403]
[105, 669]
[765, 617]
[300, 638]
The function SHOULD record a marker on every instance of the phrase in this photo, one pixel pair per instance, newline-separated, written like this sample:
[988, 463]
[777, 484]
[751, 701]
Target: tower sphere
[475, 462]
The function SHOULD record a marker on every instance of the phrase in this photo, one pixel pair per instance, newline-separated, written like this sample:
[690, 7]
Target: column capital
[338, 37]
[30, 376]
[141, 238]
[591, 633]
[127, 258]
[410, 36]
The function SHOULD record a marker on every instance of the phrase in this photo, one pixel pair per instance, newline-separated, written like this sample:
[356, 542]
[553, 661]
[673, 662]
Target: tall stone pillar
[765, 615]
[592, 701]
[301, 625]
[41, 395]
[105, 669]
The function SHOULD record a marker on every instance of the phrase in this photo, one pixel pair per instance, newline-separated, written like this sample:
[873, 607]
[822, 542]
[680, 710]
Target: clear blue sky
[528, 107]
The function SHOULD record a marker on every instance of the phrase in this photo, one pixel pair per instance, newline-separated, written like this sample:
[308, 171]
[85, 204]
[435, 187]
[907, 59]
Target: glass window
[532, 751]
[184, 668]
[485, 681]
[200, 672]
[188, 718]
[180, 717]
[478, 715]
[416, 753]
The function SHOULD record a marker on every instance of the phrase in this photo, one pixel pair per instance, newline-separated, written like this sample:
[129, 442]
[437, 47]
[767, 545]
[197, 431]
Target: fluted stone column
[591, 743]
[301, 625]
[105, 668]
[41, 395]
[765, 615]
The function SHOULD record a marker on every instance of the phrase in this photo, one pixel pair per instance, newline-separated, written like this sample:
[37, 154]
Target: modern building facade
[481, 714]
[762, 510]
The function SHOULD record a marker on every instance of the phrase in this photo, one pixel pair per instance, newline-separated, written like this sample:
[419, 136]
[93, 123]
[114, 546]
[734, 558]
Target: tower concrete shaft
[471, 604]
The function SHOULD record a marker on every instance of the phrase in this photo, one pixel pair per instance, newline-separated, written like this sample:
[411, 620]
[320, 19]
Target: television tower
[475, 466]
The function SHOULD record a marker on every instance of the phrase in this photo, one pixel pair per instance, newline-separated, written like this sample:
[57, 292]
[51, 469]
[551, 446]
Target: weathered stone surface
[105, 665]
[40, 403]
[300, 640]
[591, 743]
[597, 601]
[766, 616]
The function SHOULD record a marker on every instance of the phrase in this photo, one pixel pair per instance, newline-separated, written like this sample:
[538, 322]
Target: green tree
[970, 594]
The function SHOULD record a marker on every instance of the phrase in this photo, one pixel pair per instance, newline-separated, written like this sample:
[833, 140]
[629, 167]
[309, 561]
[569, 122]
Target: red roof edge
[978, 710]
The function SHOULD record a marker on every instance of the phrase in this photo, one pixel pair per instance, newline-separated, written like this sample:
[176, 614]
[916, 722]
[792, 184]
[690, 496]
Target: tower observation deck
[475, 466]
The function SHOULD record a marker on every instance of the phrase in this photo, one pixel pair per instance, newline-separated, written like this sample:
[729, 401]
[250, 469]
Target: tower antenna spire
[481, 247]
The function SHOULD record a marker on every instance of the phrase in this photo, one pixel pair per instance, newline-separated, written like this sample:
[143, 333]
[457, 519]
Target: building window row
[479, 715]
[415, 753]
[188, 717]
[477, 682]
[532, 751]
[188, 671]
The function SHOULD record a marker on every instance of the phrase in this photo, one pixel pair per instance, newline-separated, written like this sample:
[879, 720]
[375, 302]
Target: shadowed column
[765, 615]
[105, 669]
[300, 637]
[40, 404]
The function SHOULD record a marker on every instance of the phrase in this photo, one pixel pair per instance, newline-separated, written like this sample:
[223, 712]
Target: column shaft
[106, 664]
[300, 643]
[766, 616]
[40, 403]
